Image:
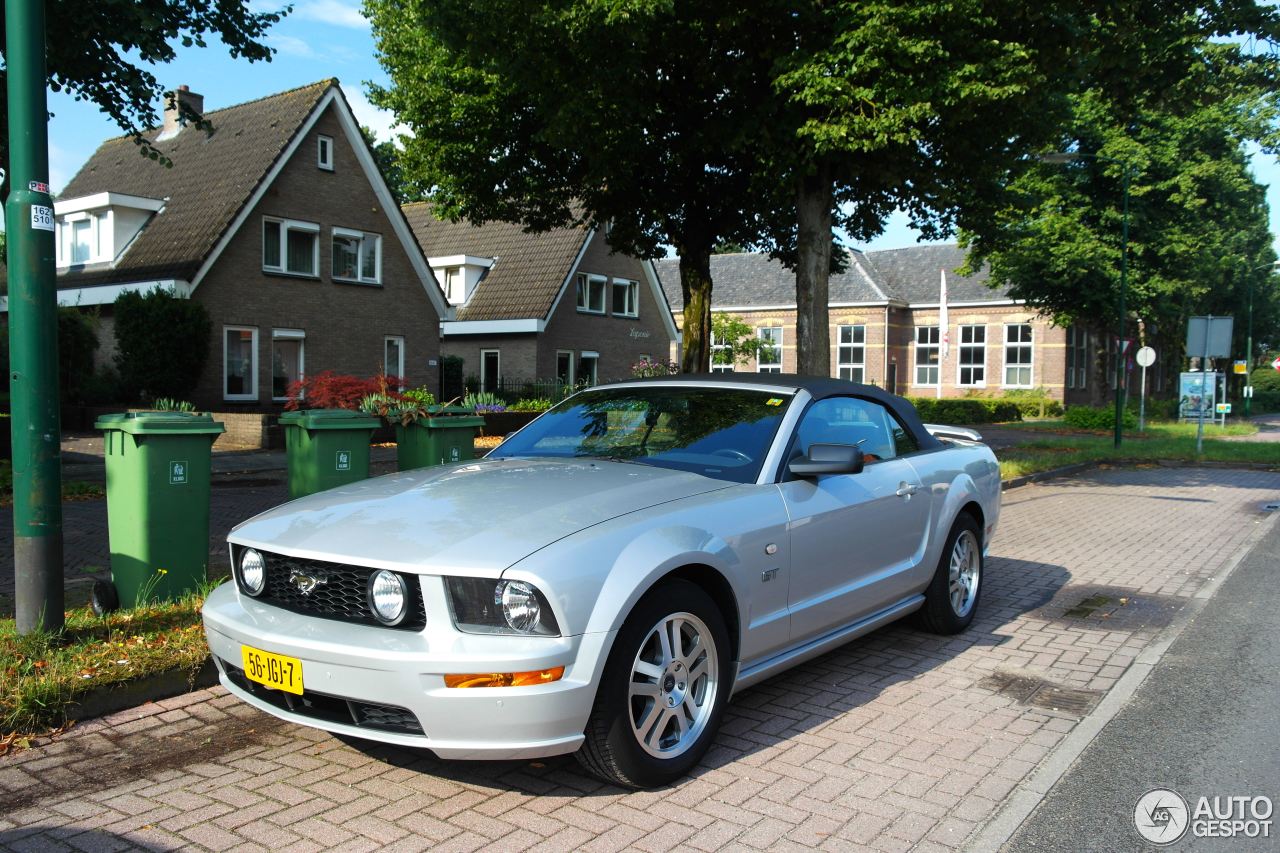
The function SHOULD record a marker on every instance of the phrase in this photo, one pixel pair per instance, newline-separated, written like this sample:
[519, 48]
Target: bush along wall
[1098, 417]
[966, 410]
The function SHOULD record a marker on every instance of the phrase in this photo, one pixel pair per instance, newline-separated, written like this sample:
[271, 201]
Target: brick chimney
[172, 122]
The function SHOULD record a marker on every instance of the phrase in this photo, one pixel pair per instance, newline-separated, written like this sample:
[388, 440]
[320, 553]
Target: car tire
[651, 723]
[951, 599]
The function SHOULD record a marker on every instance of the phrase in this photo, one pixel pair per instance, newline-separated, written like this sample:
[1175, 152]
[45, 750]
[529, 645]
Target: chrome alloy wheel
[965, 573]
[673, 686]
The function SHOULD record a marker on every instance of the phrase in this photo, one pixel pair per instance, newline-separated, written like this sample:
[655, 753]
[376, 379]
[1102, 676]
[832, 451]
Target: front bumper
[357, 666]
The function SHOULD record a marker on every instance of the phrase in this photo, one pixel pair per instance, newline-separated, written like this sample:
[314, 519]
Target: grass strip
[1050, 452]
[41, 674]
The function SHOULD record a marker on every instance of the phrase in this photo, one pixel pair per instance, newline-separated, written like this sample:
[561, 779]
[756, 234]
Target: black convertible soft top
[819, 387]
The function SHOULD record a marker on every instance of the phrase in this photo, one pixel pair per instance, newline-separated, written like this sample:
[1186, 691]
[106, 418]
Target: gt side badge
[768, 575]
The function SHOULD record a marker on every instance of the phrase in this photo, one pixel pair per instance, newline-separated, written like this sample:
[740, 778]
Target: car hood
[477, 518]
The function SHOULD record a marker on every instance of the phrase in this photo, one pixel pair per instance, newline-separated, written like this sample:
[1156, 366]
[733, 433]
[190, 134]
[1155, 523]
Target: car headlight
[487, 606]
[388, 597]
[253, 571]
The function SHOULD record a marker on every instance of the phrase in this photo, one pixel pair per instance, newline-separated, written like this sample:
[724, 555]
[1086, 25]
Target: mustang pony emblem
[306, 583]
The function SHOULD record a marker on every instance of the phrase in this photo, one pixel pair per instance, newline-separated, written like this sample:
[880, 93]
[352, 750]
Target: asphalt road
[1204, 723]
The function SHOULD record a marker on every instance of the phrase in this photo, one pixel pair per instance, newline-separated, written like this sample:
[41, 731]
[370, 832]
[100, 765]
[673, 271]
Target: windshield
[718, 432]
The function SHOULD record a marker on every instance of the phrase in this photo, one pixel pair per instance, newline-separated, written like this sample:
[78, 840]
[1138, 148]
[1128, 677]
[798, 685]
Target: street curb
[997, 831]
[1065, 470]
[130, 694]
[1027, 479]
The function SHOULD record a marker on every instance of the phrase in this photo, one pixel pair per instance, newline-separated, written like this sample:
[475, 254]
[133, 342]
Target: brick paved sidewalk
[898, 741]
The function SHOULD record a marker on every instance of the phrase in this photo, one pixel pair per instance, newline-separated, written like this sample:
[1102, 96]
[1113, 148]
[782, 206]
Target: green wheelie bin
[326, 448]
[158, 470]
[435, 440]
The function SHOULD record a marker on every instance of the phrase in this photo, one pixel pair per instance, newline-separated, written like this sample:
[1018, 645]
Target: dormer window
[324, 153]
[97, 229]
[459, 274]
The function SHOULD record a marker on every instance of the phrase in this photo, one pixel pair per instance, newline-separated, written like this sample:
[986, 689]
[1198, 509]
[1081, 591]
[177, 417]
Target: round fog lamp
[388, 596]
[253, 571]
[520, 605]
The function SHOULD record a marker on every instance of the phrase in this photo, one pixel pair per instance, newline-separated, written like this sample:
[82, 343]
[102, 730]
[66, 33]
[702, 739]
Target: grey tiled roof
[910, 275]
[746, 279]
[213, 176]
[914, 275]
[528, 268]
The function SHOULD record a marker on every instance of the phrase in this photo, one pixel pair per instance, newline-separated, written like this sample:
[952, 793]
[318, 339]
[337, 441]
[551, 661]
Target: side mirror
[828, 459]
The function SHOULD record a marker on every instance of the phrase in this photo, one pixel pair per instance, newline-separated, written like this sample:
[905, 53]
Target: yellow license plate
[272, 670]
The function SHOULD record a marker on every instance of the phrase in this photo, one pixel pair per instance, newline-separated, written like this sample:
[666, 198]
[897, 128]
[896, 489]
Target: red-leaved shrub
[329, 390]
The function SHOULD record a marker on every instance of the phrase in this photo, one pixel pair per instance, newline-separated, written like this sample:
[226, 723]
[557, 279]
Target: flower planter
[436, 440]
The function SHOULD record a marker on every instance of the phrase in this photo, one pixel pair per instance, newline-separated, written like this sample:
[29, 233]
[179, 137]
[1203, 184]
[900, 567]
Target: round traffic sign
[1276, 363]
[1146, 357]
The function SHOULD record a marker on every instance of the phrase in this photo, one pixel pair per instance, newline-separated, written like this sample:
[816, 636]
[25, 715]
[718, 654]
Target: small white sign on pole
[1145, 358]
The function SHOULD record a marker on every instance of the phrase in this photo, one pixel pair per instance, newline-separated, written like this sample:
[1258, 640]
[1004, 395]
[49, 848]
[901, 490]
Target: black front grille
[333, 709]
[343, 594]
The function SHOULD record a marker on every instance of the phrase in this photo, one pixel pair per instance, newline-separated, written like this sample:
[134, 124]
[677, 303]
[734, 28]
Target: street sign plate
[1224, 408]
[1241, 367]
[1276, 363]
[1145, 357]
[1218, 330]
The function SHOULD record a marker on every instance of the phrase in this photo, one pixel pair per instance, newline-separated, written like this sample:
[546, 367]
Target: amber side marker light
[505, 679]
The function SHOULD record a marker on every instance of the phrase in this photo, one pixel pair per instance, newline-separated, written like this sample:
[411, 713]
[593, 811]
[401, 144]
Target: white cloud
[291, 46]
[334, 12]
[381, 122]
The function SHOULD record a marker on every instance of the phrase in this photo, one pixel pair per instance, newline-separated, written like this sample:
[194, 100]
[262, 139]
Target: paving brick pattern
[895, 742]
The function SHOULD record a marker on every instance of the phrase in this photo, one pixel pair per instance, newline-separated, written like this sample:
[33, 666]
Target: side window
[853, 420]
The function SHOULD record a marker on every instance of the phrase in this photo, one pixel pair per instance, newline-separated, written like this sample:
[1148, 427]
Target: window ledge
[357, 282]
[589, 311]
[286, 274]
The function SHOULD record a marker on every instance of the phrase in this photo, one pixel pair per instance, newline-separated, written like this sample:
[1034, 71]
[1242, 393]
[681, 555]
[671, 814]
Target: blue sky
[329, 38]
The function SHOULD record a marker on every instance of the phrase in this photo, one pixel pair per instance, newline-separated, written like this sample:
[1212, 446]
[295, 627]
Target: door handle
[906, 490]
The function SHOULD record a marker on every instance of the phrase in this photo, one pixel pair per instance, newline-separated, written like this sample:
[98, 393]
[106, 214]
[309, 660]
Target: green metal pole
[1248, 345]
[1124, 283]
[33, 330]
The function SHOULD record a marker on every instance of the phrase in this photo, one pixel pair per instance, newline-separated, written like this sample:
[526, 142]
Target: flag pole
[944, 334]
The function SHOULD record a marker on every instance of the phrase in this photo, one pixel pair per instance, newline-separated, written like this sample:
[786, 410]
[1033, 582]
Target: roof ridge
[325, 83]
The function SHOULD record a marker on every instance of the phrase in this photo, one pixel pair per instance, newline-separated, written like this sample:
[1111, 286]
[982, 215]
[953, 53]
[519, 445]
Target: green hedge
[1264, 380]
[967, 410]
[1097, 417]
[1264, 402]
[1034, 402]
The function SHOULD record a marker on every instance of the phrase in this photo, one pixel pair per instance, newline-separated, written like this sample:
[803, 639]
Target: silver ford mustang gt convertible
[609, 575]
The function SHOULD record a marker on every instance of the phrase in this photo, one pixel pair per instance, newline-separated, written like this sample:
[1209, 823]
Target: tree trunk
[695, 283]
[814, 199]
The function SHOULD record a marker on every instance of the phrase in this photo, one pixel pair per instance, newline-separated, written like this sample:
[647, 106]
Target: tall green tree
[103, 50]
[1198, 235]
[934, 107]
[645, 117]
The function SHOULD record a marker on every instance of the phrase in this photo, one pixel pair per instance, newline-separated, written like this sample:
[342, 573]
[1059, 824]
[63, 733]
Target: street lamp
[1248, 345]
[1127, 169]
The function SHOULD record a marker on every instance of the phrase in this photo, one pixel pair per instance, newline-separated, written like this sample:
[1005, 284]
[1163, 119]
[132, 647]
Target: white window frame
[498, 355]
[287, 225]
[324, 145]
[298, 335]
[763, 366]
[960, 362]
[1029, 365]
[916, 346]
[253, 363]
[719, 347]
[572, 356]
[455, 277]
[377, 255]
[399, 339]
[65, 238]
[631, 299]
[593, 375]
[842, 348]
[585, 283]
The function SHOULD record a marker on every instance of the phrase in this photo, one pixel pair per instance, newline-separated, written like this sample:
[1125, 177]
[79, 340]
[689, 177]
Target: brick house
[278, 221]
[884, 324]
[557, 307]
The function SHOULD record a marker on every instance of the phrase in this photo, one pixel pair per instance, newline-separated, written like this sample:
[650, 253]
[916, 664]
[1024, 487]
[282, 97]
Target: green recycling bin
[438, 439]
[158, 468]
[326, 448]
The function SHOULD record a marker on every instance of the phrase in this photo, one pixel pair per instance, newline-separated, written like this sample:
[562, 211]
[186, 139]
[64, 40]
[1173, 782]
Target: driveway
[898, 741]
